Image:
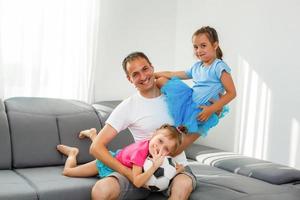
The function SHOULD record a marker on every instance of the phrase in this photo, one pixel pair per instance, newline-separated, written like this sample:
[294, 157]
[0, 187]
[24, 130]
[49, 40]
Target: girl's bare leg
[71, 168]
[89, 133]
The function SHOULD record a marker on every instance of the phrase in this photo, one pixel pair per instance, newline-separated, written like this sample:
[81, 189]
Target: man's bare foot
[89, 133]
[66, 150]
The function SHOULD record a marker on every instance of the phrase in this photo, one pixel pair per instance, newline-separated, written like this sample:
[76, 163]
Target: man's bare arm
[99, 150]
[186, 142]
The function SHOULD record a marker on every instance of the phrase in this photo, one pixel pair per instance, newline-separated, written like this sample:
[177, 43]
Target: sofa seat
[30, 165]
[214, 184]
[15, 187]
[225, 185]
[51, 184]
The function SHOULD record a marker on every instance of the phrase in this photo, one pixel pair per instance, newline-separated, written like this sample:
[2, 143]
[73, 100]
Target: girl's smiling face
[204, 50]
[160, 142]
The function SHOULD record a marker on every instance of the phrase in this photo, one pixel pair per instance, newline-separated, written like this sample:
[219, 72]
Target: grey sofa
[30, 166]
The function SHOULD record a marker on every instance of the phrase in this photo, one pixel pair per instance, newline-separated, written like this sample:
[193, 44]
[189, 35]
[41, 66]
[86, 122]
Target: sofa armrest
[195, 150]
[104, 108]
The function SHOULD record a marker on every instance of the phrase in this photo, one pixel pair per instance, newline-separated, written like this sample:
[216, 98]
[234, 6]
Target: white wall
[260, 40]
[127, 26]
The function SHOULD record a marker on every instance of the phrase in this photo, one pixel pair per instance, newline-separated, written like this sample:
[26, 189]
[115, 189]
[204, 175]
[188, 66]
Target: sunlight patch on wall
[249, 134]
[294, 141]
[253, 112]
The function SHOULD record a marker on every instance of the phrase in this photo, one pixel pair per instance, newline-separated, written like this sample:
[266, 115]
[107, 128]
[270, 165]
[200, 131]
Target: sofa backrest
[5, 149]
[38, 125]
[104, 109]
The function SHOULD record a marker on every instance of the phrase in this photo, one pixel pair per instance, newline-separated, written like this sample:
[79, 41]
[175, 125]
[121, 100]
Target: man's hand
[179, 168]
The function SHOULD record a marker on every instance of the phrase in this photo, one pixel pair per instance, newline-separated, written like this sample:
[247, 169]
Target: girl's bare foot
[89, 133]
[66, 150]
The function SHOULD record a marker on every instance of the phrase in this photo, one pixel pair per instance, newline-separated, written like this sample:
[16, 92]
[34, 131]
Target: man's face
[140, 74]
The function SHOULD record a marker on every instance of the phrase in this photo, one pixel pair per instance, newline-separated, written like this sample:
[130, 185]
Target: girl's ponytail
[219, 53]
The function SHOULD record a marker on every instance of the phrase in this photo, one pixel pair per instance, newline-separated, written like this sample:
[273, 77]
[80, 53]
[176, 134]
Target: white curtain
[48, 48]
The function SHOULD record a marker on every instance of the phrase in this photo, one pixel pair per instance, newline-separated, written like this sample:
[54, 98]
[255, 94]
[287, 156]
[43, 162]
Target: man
[142, 113]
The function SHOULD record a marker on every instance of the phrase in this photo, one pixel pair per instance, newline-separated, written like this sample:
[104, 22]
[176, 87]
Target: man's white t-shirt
[142, 116]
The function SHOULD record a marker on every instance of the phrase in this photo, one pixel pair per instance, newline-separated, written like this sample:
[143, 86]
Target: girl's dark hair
[175, 133]
[212, 36]
[133, 56]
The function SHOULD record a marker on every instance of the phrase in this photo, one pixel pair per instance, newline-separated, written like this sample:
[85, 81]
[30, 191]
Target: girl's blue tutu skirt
[184, 110]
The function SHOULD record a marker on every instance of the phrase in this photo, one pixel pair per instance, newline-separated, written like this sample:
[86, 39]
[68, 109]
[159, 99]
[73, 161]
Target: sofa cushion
[5, 148]
[50, 184]
[69, 127]
[243, 165]
[215, 183]
[259, 169]
[33, 140]
[14, 187]
[38, 125]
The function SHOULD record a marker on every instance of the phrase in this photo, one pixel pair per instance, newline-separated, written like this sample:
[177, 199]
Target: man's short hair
[133, 56]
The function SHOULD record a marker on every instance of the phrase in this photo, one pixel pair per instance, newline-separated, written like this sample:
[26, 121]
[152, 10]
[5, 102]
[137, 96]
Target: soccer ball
[161, 178]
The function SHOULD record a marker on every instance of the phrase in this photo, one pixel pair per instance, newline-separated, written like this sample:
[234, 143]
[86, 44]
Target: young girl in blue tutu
[200, 107]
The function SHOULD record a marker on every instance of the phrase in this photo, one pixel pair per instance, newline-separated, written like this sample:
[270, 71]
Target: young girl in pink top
[164, 142]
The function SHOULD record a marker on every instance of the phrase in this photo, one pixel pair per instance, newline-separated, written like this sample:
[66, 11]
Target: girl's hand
[205, 114]
[158, 159]
[212, 101]
[158, 162]
[207, 111]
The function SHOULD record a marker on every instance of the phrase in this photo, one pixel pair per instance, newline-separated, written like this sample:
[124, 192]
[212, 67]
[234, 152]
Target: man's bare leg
[182, 187]
[106, 189]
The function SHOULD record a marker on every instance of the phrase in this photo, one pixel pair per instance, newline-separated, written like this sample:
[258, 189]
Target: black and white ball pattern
[162, 176]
